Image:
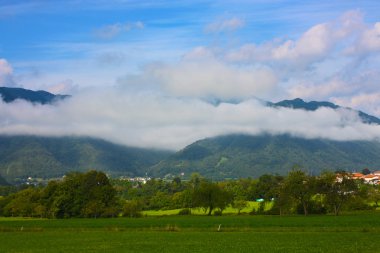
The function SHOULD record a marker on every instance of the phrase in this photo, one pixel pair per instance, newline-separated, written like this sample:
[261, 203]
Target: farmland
[355, 232]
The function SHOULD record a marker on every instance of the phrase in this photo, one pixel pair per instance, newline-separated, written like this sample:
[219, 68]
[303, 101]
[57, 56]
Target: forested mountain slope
[234, 156]
[47, 157]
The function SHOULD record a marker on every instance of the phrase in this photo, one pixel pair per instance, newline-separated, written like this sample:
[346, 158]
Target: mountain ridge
[299, 103]
[48, 157]
[9, 95]
[238, 155]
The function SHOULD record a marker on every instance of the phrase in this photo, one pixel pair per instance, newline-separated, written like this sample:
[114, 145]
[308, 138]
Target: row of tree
[92, 194]
[295, 193]
[77, 195]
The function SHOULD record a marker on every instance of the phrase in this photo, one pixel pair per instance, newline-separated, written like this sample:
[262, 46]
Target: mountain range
[9, 95]
[229, 156]
[234, 156]
[50, 157]
[315, 105]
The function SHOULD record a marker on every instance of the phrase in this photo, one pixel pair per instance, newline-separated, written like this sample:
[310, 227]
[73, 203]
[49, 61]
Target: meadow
[355, 232]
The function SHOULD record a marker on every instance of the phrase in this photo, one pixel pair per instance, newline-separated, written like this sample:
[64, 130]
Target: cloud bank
[159, 121]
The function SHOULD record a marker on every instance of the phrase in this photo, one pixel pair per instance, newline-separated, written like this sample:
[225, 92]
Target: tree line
[93, 194]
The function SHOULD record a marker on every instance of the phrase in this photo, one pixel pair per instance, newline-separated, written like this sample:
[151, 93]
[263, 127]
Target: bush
[217, 213]
[314, 207]
[357, 204]
[132, 209]
[186, 211]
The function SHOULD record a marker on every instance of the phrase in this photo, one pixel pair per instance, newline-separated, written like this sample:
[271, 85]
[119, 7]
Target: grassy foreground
[349, 233]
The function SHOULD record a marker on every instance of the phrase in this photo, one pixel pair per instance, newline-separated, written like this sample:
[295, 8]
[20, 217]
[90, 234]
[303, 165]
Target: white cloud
[320, 91]
[316, 44]
[64, 87]
[6, 73]
[368, 41]
[368, 102]
[210, 77]
[111, 31]
[225, 25]
[151, 120]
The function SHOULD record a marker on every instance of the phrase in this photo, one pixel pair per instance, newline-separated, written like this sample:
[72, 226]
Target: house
[371, 179]
[357, 175]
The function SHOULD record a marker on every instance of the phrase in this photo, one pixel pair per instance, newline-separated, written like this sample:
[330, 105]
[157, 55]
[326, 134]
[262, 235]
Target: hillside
[48, 157]
[8, 95]
[235, 156]
[3, 182]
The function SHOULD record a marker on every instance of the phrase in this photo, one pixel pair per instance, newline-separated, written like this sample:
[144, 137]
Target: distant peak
[299, 103]
[9, 95]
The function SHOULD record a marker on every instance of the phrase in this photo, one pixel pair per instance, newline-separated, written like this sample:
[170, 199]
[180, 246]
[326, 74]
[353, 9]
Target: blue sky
[188, 51]
[31, 29]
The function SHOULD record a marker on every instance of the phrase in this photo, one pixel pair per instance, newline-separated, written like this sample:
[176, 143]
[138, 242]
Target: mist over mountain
[298, 103]
[233, 138]
[10, 94]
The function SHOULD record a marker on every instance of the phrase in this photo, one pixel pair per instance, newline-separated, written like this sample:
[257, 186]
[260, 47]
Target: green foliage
[78, 195]
[92, 195]
[374, 195]
[132, 208]
[239, 204]
[300, 188]
[337, 192]
[185, 211]
[210, 196]
[23, 203]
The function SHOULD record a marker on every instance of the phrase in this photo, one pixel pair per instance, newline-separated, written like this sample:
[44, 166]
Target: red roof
[370, 176]
[358, 175]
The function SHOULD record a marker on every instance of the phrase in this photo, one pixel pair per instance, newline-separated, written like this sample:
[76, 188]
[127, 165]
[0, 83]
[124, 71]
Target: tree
[366, 171]
[159, 201]
[374, 194]
[182, 199]
[239, 204]
[282, 199]
[210, 196]
[132, 208]
[266, 186]
[195, 180]
[337, 189]
[23, 203]
[81, 195]
[300, 188]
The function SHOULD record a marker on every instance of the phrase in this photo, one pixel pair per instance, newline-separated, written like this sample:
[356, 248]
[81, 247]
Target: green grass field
[359, 232]
[198, 211]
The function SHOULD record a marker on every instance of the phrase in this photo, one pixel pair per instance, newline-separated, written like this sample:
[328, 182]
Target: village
[372, 178]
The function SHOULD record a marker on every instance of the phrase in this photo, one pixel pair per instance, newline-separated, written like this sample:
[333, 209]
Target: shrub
[313, 207]
[132, 209]
[357, 204]
[185, 211]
